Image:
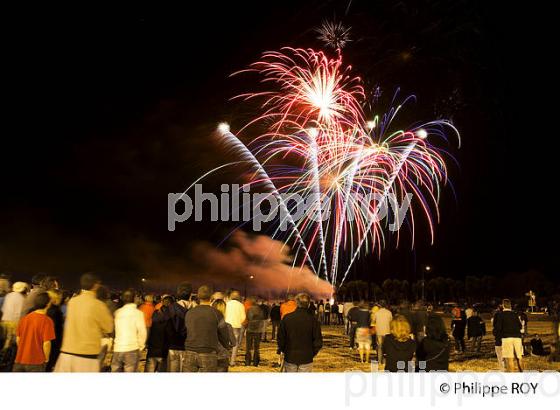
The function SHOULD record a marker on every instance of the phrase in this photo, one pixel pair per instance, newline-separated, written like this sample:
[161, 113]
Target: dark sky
[109, 110]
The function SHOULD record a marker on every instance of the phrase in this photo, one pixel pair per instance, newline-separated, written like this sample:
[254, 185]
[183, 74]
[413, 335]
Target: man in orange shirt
[247, 303]
[147, 308]
[33, 336]
[288, 306]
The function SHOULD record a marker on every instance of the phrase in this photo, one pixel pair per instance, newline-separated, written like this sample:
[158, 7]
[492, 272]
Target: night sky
[109, 110]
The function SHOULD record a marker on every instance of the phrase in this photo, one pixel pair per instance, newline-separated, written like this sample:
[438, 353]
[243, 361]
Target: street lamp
[427, 268]
[251, 277]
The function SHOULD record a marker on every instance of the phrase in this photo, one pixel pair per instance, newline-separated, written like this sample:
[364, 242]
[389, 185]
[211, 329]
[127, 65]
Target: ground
[337, 357]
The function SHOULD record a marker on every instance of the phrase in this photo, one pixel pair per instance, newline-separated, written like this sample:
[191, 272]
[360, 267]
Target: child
[537, 347]
[33, 336]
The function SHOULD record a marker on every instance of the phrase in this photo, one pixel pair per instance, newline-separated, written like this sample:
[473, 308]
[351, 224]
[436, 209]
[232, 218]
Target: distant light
[223, 127]
[313, 132]
[251, 277]
[371, 124]
[143, 279]
[428, 268]
[422, 133]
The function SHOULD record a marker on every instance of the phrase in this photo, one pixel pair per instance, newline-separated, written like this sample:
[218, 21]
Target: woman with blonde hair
[224, 352]
[398, 347]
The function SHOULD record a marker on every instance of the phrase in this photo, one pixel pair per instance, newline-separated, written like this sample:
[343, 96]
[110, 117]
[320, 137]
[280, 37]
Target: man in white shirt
[382, 319]
[235, 316]
[11, 312]
[340, 313]
[130, 335]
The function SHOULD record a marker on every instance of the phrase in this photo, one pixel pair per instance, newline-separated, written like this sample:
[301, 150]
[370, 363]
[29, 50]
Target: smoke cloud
[255, 264]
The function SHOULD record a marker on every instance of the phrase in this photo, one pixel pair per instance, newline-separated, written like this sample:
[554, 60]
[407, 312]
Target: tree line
[440, 289]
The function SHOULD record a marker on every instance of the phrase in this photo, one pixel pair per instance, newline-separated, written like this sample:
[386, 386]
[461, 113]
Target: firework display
[314, 138]
[334, 34]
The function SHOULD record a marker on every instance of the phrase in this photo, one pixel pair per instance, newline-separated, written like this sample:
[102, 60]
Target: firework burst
[312, 138]
[333, 34]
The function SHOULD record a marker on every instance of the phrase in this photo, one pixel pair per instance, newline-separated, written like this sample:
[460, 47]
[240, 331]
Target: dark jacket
[507, 324]
[255, 319]
[312, 308]
[353, 314]
[206, 329]
[475, 327]
[435, 353]
[175, 329]
[458, 325]
[55, 313]
[224, 350]
[396, 351]
[299, 337]
[537, 347]
[410, 317]
[497, 336]
[363, 318]
[265, 309]
[158, 344]
[275, 313]
[433, 350]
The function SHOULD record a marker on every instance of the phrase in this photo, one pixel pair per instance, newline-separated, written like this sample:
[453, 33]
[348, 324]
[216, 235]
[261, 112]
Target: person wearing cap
[11, 312]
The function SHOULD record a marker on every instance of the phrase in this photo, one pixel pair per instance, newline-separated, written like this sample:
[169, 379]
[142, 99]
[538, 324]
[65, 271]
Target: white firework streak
[236, 142]
[317, 200]
[384, 197]
[346, 196]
